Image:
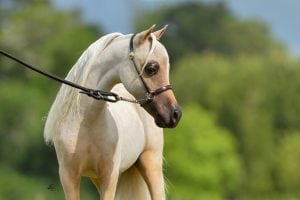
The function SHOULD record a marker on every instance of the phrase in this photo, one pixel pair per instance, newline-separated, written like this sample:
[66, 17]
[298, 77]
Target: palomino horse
[118, 145]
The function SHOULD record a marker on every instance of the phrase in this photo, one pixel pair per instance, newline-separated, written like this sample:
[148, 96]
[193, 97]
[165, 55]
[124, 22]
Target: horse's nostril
[176, 114]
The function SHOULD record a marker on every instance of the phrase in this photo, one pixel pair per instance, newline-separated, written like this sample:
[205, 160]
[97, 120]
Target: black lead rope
[96, 94]
[99, 94]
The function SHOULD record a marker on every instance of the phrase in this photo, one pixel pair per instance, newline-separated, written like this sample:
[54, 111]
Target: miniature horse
[119, 146]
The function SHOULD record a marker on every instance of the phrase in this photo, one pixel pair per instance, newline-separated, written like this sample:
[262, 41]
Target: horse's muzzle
[170, 120]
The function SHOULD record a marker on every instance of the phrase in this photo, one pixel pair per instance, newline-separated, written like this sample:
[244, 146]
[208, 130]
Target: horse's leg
[150, 166]
[109, 185]
[70, 183]
[106, 183]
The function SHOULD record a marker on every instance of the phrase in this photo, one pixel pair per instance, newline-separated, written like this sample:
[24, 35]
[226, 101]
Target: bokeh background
[235, 71]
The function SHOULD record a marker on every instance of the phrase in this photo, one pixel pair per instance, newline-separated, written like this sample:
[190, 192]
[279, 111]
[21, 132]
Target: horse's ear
[160, 32]
[144, 35]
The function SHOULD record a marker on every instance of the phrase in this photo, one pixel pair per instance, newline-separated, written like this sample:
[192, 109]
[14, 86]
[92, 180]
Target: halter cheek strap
[149, 93]
[132, 58]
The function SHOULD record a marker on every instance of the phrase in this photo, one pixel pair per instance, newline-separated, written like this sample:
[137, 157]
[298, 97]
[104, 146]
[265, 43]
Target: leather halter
[150, 94]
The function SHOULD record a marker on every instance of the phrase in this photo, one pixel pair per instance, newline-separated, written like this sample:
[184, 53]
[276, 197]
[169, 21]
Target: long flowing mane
[68, 98]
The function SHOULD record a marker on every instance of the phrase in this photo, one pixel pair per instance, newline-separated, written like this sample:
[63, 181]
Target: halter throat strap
[149, 93]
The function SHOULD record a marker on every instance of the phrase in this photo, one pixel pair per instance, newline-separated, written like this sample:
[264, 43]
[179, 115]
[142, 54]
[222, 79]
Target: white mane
[78, 74]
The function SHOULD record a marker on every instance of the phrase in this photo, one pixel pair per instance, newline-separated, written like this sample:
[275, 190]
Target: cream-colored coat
[117, 145]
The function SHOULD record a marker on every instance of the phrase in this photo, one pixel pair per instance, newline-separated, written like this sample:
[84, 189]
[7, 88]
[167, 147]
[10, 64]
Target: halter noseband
[149, 93]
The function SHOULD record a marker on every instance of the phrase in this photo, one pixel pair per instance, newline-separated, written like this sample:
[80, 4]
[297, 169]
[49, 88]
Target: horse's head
[146, 76]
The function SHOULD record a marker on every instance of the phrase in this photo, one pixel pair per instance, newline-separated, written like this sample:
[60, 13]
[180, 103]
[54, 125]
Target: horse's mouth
[165, 111]
[160, 122]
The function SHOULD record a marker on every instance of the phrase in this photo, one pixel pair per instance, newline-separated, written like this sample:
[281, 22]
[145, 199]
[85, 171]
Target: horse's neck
[102, 73]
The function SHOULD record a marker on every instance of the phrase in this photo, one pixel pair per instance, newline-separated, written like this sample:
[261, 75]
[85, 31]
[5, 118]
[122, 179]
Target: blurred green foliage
[239, 137]
[47, 37]
[288, 163]
[201, 158]
[196, 27]
[237, 71]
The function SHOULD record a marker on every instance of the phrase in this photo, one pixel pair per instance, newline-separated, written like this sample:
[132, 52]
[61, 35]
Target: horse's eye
[151, 68]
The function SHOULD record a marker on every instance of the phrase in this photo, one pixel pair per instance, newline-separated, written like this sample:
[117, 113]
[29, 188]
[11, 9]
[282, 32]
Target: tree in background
[48, 37]
[201, 158]
[198, 27]
[235, 69]
[288, 164]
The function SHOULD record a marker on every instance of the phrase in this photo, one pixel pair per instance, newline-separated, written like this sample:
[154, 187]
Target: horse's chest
[131, 134]
[115, 136]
